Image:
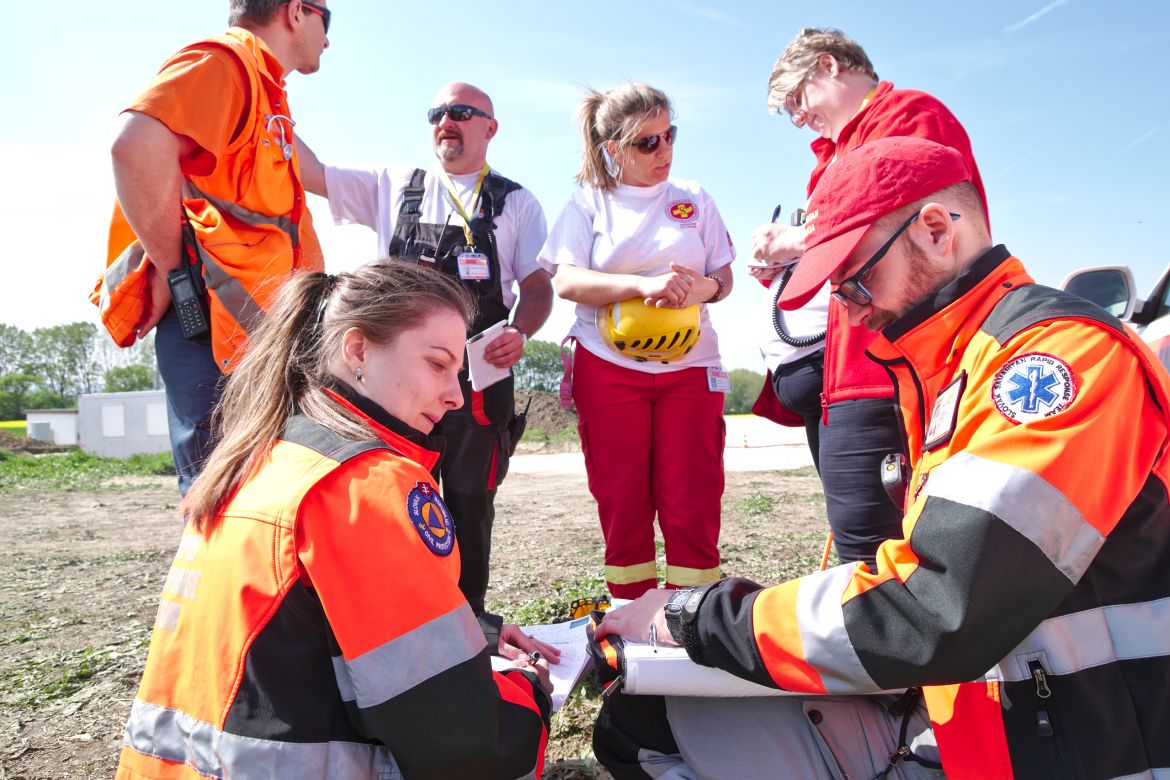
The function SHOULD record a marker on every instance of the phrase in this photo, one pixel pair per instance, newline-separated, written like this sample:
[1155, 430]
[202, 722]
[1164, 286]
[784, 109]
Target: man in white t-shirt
[463, 219]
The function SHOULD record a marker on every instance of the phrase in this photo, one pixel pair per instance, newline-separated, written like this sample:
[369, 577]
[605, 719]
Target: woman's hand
[539, 668]
[666, 290]
[777, 244]
[517, 645]
[632, 621]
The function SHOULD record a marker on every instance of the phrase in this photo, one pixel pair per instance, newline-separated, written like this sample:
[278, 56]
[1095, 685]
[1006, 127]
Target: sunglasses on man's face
[325, 14]
[649, 144]
[458, 113]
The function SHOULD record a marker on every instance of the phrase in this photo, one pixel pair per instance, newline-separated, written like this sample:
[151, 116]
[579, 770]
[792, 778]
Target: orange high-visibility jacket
[1031, 595]
[241, 194]
[318, 631]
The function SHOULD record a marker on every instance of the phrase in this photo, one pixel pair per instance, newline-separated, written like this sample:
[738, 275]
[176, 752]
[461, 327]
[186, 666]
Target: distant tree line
[541, 369]
[47, 368]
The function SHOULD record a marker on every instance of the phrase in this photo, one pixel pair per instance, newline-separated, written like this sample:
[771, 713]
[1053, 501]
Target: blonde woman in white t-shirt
[652, 431]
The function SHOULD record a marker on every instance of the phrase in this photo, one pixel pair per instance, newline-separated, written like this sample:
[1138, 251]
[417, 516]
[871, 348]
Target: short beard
[924, 280]
[449, 152]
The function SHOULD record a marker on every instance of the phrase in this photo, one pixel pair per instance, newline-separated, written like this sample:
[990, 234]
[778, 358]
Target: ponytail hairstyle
[614, 116]
[288, 363]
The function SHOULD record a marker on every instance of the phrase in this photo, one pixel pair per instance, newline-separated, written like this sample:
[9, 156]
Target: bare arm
[147, 177]
[532, 310]
[312, 170]
[584, 285]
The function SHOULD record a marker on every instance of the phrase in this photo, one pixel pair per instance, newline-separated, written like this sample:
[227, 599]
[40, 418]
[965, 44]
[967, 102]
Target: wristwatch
[523, 336]
[720, 287]
[682, 613]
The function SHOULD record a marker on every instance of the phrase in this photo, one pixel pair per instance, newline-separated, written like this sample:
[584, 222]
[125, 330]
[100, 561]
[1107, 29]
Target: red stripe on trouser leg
[688, 437]
[477, 408]
[614, 408]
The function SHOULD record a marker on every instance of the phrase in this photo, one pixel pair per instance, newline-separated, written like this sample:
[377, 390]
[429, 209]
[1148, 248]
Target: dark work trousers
[632, 736]
[475, 461]
[798, 388]
[192, 380]
[861, 514]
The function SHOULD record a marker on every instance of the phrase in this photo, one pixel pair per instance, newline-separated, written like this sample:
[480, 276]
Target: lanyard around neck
[458, 203]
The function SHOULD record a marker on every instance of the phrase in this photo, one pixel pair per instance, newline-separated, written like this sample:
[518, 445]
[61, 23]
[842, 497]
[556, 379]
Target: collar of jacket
[825, 148]
[411, 442]
[270, 66]
[934, 334]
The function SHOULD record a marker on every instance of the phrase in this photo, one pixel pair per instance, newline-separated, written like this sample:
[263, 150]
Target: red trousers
[653, 445]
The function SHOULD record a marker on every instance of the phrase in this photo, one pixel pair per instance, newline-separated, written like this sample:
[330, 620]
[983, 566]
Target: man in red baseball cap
[1027, 610]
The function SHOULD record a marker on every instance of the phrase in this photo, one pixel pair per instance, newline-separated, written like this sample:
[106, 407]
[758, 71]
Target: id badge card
[718, 379]
[474, 267]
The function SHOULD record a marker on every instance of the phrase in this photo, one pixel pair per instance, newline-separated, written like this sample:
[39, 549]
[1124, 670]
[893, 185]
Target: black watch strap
[682, 618]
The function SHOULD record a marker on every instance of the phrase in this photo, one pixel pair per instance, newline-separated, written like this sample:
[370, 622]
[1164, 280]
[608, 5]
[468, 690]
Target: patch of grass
[76, 470]
[533, 435]
[15, 427]
[40, 680]
[756, 504]
[554, 605]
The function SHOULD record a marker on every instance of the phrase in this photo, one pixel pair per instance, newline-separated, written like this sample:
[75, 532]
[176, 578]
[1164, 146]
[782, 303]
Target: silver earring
[357, 372]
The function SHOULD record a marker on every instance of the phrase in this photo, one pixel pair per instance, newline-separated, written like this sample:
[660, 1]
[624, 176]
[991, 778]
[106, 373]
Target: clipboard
[483, 374]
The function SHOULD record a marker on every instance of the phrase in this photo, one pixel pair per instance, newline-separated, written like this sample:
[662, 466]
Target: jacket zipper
[1045, 729]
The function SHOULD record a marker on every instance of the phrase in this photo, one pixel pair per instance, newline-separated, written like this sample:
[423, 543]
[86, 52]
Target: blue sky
[1065, 102]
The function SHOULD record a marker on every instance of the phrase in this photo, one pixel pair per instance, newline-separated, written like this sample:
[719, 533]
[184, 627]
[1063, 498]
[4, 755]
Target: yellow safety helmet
[642, 333]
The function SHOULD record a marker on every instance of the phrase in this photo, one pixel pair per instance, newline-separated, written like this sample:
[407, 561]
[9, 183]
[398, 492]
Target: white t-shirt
[640, 230]
[809, 320]
[374, 198]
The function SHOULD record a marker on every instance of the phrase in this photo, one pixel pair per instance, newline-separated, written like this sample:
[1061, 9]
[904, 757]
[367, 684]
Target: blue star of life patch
[1032, 387]
[431, 518]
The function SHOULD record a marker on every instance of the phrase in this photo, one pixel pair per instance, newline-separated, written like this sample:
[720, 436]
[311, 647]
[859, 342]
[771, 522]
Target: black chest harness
[415, 241]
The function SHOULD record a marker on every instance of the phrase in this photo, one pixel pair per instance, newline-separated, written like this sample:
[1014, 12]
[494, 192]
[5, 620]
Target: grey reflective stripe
[172, 735]
[344, 684]
[822, 632]
[430, 649]
[1158, 773]
[126, 262]
[248, 216]
[230, 291]
[1095, 637]
[1026, 502]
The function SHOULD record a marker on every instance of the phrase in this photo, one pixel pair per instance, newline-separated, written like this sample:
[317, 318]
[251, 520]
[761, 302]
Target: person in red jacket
[1028, 601]
[826, 82]
[312, 625]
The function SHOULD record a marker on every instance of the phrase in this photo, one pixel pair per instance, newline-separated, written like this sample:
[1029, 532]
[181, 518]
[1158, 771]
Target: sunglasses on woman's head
[650, 143]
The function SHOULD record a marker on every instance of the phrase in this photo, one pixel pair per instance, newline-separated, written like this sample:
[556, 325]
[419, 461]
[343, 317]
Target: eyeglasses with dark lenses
[458, 113]
[325, 14]
[649, 144]
[852, 290]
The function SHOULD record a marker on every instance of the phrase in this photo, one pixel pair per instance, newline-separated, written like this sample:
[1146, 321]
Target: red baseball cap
[866, 184]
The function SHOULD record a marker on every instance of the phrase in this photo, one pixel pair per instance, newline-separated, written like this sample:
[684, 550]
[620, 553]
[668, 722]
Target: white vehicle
[1113, 289]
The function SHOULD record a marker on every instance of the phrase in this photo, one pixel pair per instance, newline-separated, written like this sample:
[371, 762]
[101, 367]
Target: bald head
[462, 146]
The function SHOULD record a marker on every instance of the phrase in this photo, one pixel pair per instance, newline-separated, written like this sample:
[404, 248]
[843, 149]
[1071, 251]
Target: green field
[15, 427]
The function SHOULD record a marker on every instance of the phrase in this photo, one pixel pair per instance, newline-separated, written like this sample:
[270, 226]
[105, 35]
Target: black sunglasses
[325, 14]
[458, 113]
[648, 144]
[852, 290]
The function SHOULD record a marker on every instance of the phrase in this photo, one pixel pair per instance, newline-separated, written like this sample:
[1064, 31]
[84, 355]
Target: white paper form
[571, 640]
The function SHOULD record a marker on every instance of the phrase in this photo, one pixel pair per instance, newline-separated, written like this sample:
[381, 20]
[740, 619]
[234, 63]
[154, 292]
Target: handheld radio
[189, 305]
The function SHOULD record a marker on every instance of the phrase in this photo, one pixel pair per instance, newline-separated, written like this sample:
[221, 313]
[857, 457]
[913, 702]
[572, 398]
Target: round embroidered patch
[431, 518]
[1032, 387]
[682, 211]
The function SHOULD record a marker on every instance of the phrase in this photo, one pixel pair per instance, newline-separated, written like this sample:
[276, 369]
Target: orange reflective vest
[318, 631]
[1030, 596]
[244, 202]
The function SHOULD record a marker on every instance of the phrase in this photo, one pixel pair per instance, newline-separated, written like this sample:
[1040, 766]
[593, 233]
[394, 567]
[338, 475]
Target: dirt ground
[82, 572]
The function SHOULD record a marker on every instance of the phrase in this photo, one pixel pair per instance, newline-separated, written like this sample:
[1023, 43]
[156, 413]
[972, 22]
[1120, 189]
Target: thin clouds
[1011, 167]
[1014, 28]
[711, 15]
[1140, 139]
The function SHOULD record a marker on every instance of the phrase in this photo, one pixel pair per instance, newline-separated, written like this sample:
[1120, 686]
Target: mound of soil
[20, 445]
[545, 413]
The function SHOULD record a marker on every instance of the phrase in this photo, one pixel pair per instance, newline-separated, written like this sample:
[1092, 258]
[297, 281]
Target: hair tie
[330, 282]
